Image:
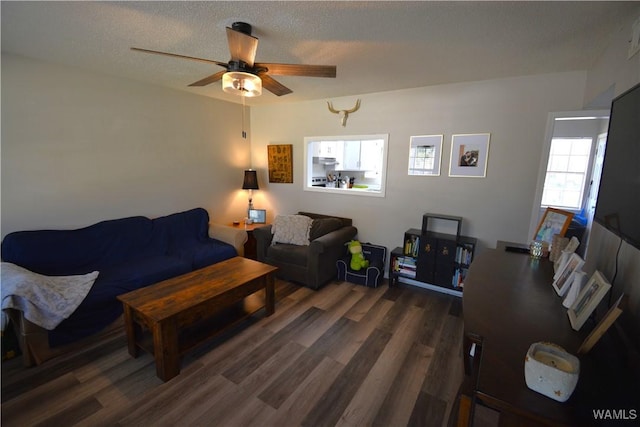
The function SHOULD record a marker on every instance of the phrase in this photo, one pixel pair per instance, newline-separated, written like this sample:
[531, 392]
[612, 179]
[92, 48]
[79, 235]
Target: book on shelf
[412, 246]
[464, 255]
[458, 278]
[405, 266]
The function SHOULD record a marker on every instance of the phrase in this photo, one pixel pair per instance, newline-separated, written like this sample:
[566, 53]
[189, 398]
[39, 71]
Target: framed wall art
[469, 155]
[588, 300]
[425, 154]
[280, 159]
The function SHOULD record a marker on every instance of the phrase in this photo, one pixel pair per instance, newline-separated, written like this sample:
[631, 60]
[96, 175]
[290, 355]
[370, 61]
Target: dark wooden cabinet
[433, 258]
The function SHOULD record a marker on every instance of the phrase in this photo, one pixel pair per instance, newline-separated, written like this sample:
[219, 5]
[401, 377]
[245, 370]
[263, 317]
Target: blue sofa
[129, 253]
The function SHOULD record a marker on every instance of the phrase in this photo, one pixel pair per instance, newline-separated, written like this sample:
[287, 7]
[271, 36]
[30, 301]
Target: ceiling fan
[243, 76]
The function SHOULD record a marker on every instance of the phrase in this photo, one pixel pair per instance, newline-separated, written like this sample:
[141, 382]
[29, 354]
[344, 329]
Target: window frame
[586, 174]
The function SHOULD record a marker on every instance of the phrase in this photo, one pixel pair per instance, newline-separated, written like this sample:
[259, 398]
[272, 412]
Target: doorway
[568, 128]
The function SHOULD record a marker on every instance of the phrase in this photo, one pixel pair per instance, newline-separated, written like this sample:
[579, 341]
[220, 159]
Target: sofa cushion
[322, 226]
[45, 300]
[186, 235]
[346, 222]
[291, 229]
[210, 251]
[288, 254]
[134, 274]
[69, 252]
[100, 308]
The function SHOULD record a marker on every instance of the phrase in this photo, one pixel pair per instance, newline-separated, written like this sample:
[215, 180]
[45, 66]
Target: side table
[250, 247]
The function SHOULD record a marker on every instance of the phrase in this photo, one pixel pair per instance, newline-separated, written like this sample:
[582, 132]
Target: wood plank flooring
[345, 355]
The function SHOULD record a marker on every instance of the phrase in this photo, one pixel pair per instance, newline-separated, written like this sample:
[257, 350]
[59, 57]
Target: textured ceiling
[376, 46]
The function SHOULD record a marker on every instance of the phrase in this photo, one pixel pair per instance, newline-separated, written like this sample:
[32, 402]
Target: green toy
[357, 259]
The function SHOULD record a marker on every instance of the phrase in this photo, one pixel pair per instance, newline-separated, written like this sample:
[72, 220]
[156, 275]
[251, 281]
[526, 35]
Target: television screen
[618, 205]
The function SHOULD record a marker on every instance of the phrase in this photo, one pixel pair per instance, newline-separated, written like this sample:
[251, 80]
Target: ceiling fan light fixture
[241, 83]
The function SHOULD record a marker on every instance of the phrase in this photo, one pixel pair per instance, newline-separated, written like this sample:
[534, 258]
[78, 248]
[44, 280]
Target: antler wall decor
[344, 114]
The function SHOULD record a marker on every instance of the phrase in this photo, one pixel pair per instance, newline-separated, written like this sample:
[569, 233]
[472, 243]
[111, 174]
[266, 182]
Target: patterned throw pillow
[291, 229]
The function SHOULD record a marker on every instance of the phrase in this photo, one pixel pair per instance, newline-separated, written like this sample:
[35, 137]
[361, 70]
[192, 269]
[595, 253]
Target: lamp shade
[241, 83]
[250, 180]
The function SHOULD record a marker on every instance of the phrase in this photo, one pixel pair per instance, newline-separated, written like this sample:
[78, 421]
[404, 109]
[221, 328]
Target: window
[567, 171]
[350, 165]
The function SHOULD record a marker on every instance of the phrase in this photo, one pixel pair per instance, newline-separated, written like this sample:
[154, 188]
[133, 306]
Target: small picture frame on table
[258, 216]
[554, 221]
[589, 298]
[565, 276]
[614, 312]
[565, 253]
[578, 280]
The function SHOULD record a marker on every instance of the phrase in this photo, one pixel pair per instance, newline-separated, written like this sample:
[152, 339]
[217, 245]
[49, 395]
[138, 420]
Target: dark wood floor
[344, 355]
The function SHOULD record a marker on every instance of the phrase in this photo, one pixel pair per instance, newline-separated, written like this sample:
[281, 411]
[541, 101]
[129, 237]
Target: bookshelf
[431, 259]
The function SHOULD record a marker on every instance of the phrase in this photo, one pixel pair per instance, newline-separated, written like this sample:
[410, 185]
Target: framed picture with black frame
[258, 216]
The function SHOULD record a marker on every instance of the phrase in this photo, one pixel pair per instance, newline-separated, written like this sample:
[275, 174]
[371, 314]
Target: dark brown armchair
[312, 265]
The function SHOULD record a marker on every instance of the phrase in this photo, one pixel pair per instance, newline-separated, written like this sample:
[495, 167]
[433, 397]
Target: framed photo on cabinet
[588, 300]
[469, 155]
[258, 216]
[614, 312]
[554, 221]
[565, 276]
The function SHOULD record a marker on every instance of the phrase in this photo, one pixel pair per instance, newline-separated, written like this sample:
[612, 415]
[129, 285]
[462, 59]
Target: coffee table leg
[131, 329]
[270, 294]
[165, 348]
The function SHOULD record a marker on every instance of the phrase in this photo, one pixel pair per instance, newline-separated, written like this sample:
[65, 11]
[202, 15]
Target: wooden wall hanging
[280, 163]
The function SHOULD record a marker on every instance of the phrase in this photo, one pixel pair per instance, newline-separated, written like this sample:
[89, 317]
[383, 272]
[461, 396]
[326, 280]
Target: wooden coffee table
[174, 316]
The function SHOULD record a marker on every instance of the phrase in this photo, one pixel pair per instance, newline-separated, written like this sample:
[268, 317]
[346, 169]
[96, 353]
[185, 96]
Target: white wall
[80, 147]
[497, 207]
[613, 68]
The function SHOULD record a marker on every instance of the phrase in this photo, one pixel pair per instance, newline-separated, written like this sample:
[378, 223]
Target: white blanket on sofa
[44, 300]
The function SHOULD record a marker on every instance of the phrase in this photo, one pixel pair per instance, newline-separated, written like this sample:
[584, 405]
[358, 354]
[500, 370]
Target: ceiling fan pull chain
[244, 133]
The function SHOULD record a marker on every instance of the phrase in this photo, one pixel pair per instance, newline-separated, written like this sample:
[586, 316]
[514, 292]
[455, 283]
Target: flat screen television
[618, 205]
[618, 209]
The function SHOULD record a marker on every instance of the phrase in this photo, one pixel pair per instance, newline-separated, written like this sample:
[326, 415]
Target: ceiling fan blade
[209, 79]
[175, 55]
[273, 85]
[242, 46]
[298, 69]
